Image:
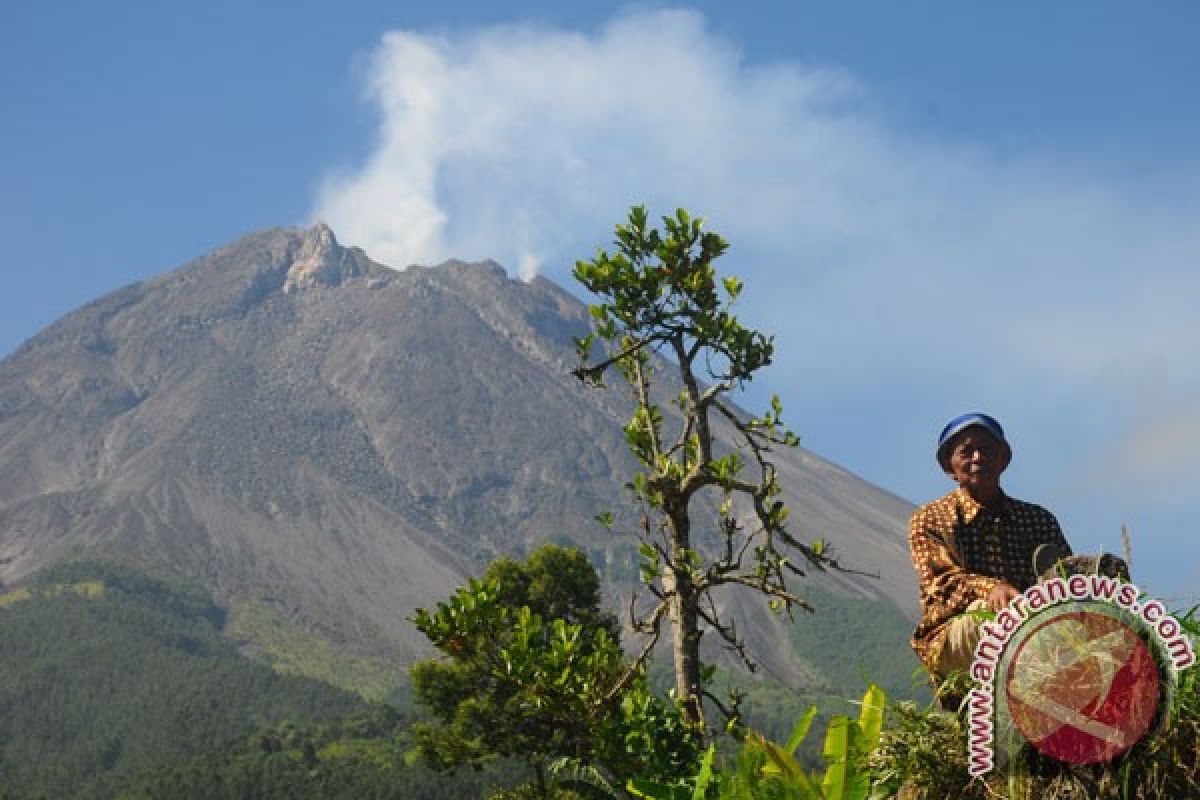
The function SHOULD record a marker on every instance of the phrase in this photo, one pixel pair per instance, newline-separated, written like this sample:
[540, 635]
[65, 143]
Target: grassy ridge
[292, 651]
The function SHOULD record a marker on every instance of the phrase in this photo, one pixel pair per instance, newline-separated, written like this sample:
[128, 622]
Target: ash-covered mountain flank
[297, 426]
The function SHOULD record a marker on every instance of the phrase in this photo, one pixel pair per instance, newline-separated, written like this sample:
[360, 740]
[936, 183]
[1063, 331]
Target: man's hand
[1000, 595]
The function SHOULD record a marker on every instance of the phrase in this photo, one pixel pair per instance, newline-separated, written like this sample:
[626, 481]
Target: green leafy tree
[659, 295]
[532, 669]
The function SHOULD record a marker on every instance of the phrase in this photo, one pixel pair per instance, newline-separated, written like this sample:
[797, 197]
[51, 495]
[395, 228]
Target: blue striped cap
[960, 424]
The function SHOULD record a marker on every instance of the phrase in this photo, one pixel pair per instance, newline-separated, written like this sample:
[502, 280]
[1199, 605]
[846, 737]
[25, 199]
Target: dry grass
[922, 756]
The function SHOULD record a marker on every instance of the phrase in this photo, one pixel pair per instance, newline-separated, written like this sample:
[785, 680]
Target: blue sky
[935, 206]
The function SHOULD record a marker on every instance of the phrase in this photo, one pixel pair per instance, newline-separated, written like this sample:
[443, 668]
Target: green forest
[115, 682]
[118, 683]
[106, 672]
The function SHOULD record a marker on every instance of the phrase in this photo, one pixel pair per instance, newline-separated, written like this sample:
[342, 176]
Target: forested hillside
[362, 755]
[106, 672]
[114, 682]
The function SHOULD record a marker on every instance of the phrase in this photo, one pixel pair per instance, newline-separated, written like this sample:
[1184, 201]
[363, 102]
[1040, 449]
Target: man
[973, 548]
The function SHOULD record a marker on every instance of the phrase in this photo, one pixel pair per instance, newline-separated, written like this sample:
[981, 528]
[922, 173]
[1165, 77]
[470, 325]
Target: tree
[658, 295]
[530, 670]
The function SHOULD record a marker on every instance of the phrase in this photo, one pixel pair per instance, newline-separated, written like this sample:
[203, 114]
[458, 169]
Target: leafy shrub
[765, 770]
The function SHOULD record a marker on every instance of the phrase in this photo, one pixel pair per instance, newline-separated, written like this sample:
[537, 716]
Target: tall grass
[923, 756]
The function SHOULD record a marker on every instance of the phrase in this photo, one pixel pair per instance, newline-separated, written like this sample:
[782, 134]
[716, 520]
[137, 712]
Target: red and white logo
[1082, 686]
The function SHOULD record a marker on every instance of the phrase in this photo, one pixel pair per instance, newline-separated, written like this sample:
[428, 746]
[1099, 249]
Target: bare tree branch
[637, 664]
[596, 371]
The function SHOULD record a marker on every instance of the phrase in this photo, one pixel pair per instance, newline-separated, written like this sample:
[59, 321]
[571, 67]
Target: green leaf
[781, 763]
[638, 217]
[583, 346]
[655, 791]
[870, 719]
[605, 518]
[705, 775]
[843, 779]
[801, 729]
[837, 755]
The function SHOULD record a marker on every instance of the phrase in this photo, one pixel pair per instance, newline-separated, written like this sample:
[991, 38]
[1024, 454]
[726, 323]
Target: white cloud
[906, 277]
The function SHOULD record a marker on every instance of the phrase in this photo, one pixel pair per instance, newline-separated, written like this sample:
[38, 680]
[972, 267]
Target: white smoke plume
[521, 144]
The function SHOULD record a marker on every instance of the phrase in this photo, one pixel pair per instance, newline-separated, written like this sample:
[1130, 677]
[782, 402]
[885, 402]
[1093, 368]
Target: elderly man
[973, 548]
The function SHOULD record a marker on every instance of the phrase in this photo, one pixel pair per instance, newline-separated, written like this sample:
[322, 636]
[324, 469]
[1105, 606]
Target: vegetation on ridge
[98, 627]
[100, 684]
[924, 752]
[362, 755]
[294, 651]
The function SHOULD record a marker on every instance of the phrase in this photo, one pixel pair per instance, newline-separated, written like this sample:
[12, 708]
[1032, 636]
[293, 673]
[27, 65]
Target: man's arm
[946, 587]
[1000, 595]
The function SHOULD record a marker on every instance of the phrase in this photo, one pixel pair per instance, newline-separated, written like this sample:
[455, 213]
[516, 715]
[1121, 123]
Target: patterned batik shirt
[962, 549]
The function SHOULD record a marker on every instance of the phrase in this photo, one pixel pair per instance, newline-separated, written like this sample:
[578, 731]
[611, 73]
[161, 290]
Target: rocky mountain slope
[308, 432]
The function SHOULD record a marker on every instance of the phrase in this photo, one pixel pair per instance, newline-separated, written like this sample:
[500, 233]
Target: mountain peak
[320, 261]
[344, 455]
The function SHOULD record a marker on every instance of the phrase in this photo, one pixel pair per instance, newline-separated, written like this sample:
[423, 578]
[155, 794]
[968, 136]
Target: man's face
[976, 460]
